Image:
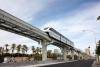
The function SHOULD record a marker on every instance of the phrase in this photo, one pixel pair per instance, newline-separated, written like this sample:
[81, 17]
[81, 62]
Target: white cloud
[83, 18]
[10, 38]
[24, 9]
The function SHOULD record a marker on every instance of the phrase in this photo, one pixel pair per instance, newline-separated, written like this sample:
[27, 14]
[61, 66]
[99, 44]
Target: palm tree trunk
[97, 58]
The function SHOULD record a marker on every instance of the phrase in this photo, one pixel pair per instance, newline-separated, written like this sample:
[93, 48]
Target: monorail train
[56, 35]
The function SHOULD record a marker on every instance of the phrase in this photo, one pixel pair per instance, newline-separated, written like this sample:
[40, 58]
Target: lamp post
[94, 34]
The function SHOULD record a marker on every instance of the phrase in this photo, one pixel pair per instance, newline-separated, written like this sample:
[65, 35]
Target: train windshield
[45, 28]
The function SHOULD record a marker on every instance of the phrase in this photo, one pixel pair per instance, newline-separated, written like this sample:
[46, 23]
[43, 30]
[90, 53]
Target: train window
[45, 28]
[51, 29]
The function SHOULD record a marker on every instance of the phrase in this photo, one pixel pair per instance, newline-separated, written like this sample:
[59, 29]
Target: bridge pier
[64, 52]
[72, 53]
[79, 56]
[44, 50]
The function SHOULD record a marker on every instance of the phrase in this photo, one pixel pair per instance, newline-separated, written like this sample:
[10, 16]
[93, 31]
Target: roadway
[81, 63]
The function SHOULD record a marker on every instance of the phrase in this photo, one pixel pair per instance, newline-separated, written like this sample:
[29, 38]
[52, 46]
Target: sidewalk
[95, 65]
[46, 63]
[32, 64]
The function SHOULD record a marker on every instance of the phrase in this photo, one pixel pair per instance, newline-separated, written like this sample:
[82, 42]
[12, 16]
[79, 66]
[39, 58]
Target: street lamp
[94, 34]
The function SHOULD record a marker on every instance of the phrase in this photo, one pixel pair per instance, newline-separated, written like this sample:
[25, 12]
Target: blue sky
[69, 17]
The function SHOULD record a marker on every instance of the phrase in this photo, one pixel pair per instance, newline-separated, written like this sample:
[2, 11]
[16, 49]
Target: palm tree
[24, 49]
[49, 53]
[98, 51]
[98, 18]
[0, 50]
[37, 50]
[33, 50]
[38, 55]
[13, 48]
[19, 48]
[6, 50]
[40, 51]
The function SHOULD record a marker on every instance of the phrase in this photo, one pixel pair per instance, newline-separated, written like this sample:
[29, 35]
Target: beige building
[87, 51]
[57, 51]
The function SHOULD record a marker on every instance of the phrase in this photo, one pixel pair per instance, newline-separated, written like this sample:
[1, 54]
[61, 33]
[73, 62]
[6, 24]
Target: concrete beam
[15, 24]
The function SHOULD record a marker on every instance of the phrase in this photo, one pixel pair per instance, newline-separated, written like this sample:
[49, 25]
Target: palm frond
[98, 18]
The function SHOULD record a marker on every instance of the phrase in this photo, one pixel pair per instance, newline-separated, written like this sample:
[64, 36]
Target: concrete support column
[72, 53]
[81, 57]
[78, 55]
[64, 53]
[44, 50]
[67, 52]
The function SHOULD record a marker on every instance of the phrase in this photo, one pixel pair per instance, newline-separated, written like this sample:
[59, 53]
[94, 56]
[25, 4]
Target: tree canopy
[98, 48]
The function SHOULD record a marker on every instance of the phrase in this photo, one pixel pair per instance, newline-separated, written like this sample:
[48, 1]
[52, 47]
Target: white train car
[51, 33]
[56, 35]
[63, 39]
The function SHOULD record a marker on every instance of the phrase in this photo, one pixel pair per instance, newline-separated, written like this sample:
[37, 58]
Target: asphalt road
[80, 63]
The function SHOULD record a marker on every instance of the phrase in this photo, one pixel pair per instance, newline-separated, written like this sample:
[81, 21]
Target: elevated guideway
[18, 26]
